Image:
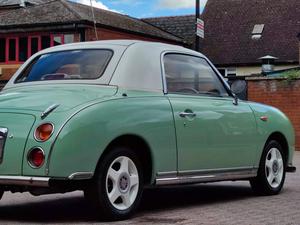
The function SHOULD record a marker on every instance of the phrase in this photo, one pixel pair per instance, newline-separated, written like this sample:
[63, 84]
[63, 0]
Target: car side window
[187, 74]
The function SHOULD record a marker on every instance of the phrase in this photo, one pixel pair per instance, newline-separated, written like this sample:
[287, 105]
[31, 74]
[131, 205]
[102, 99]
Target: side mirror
[239, 90]
[238, 86]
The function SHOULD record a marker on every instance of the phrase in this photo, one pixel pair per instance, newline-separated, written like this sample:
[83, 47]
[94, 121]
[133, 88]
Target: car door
[212, 132]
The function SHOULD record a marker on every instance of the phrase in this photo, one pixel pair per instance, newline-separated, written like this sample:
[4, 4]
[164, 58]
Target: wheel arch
[140, 147]
[282, 140]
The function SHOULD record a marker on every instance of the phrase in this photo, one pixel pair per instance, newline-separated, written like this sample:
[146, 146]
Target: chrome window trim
[217, 73]
[118, 50]
[39, 54]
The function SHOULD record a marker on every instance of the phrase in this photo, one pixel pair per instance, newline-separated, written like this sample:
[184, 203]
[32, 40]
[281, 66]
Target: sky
[147, 8]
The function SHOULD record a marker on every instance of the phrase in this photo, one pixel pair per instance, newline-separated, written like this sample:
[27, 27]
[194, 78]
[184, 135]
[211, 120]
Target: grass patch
[291, 75]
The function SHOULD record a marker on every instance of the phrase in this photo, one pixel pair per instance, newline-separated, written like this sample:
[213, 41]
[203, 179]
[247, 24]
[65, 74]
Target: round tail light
[43, 132]
[36, 157]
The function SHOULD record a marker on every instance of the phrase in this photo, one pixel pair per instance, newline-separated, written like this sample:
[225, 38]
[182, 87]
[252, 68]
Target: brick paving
[223, 203]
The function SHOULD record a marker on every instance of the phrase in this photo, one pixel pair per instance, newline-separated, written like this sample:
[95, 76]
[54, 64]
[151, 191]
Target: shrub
[291, 75]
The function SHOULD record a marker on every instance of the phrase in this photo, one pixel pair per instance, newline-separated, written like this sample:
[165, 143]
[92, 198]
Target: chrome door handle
[187, 114]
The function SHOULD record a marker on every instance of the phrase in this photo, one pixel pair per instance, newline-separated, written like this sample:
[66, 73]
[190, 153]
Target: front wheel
[271, 172]
[118, 184]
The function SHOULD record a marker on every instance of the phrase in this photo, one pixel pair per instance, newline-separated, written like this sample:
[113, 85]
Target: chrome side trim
[214, 171]
[25, 181]
[167, 174]
[210, 176]
[49, 110]
[81, 176]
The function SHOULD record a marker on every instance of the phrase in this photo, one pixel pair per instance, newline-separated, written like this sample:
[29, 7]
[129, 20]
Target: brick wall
[280, 94]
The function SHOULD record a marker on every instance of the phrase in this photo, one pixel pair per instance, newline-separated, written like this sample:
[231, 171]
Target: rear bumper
[291, 169]
[25, 181]
[44, 181]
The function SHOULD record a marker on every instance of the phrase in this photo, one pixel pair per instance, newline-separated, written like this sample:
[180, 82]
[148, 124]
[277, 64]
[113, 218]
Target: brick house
[6, 5]
[238, 32]
[26, 30]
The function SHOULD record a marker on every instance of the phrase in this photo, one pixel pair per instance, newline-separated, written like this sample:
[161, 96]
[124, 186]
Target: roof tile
[60, 12]
[229, 25]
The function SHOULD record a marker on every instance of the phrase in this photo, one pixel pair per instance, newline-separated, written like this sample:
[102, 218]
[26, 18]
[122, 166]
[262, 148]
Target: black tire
[97, 194]
[260, 184]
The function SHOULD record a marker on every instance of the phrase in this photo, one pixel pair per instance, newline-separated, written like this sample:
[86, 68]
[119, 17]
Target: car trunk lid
[14, 130]
[40, 97]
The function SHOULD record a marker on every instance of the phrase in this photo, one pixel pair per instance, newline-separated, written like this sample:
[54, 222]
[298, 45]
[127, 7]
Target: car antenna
[95, 22]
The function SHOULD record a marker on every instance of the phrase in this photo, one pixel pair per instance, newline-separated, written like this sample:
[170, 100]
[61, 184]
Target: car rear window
[67, 65]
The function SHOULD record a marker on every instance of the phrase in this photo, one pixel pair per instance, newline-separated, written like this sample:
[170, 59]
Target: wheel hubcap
[274, 167]
[122, 183]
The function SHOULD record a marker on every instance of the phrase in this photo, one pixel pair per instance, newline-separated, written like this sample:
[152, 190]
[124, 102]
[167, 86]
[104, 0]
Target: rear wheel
[117, 187]
[271, 172]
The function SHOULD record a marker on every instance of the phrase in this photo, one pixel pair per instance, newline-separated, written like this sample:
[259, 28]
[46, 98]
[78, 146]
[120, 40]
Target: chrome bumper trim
[81, 176]
[25, 181]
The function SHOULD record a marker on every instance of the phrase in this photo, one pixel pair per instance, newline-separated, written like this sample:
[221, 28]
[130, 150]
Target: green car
[114, 117]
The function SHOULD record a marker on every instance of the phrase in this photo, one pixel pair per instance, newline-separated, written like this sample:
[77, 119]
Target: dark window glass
[12, 50]
[2, 49]
[46, 42]
[57, 40]
[67, 65]
[34, 45]
[223, 72]
[23, 49]
[191, 75]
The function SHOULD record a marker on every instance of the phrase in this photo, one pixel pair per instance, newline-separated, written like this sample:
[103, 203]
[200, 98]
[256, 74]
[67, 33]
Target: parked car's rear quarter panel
[85, 137]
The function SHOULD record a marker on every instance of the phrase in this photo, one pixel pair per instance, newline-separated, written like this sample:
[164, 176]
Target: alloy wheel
[274, 167]
[122, 183]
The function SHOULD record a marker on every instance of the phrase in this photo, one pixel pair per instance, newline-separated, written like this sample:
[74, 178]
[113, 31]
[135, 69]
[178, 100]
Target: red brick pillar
[281, 94]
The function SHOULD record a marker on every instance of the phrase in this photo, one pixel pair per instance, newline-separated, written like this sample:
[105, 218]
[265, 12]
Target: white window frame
[229, 71]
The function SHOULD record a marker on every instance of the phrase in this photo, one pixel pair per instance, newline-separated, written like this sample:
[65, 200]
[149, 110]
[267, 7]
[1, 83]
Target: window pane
[2, 49]
[23, 49]
[67, 65]
[46, 42]
[34, 45]
[69, 38]
[57, 40]
[191, 75]
[12, 50]
[223, 72]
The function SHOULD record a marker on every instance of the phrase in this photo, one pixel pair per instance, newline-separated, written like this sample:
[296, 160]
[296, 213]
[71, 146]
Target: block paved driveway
[224, 203]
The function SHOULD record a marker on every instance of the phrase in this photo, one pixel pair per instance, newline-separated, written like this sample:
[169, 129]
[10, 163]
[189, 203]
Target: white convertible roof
[135, 64]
